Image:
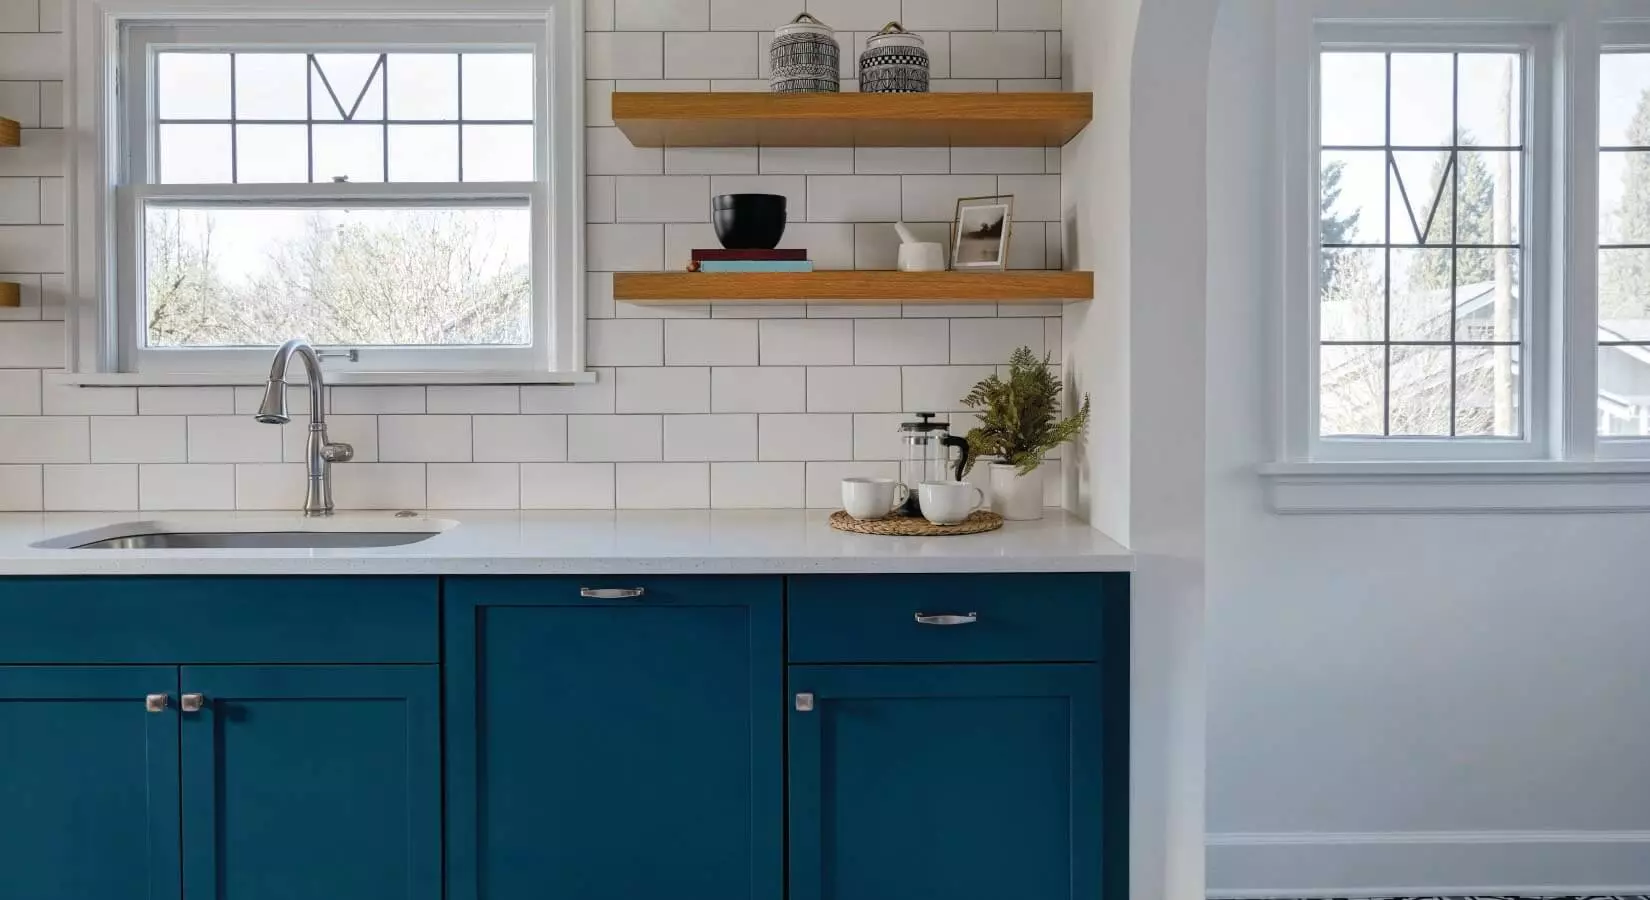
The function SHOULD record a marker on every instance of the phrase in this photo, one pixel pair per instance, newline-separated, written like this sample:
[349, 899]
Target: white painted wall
[1398, 704]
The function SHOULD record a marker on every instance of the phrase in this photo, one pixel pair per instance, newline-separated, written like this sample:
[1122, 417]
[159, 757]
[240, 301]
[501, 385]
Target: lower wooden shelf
[1025, 286]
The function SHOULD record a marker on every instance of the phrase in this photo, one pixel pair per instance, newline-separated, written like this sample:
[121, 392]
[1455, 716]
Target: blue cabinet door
[615, 747]
[312, 781]
[88, 783]
[954, 782]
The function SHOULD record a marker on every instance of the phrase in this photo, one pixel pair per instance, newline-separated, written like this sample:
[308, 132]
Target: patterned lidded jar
[894, 62]
[806, 58]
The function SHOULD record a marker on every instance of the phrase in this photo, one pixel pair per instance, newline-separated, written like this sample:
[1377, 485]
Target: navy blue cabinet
[615, 740]
[88, 783]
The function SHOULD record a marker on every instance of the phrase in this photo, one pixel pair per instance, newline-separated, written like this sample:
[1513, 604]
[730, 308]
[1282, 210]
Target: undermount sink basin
[258, 540]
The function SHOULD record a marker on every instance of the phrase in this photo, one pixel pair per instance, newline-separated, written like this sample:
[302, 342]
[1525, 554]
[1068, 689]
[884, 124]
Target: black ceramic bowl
[749, 221]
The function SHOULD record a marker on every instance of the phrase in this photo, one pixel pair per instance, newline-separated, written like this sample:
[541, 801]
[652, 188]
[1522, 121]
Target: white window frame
[1566, 467]
[106, 106]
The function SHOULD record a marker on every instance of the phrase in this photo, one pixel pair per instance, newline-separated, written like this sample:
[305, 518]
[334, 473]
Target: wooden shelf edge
[11, 133]
[859, 286]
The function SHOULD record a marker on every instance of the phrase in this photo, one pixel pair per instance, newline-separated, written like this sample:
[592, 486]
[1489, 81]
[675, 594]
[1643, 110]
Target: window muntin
[1421, 259]
[1624, 246]
[264, 168]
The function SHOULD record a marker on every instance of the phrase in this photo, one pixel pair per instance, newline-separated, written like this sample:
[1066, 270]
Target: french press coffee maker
[928, 457]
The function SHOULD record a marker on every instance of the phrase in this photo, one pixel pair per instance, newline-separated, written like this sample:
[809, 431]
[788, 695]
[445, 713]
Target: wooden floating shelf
[11, 133]
[1025, 286]
[747, 119]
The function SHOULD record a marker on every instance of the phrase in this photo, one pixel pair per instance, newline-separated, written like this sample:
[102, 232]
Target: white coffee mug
[872, 498]
[949, 502]
[921, 257]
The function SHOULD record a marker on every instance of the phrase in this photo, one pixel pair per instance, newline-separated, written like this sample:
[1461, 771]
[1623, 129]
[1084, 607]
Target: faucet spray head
[273, 410]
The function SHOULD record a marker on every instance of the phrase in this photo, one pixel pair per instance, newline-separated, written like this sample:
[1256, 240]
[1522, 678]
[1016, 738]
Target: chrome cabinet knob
[156, 702]
[804, 702]
[192, 702]
[926, 619]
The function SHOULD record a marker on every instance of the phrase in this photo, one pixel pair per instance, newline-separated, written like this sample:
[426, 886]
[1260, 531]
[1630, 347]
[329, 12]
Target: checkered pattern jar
[894, 62]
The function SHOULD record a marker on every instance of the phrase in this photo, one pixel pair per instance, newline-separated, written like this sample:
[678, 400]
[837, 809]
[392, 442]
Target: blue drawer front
[1020, 618]
[219, 620]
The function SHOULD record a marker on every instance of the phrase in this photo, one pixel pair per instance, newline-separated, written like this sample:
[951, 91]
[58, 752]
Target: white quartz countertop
[549, 543]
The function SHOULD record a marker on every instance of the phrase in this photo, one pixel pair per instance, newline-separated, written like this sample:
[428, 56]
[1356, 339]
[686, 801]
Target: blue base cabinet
[611, 745]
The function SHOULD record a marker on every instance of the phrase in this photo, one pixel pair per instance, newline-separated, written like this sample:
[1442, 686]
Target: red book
[748, 255]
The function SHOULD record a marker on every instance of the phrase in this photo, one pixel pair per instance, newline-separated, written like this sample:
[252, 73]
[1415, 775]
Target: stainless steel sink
[258, 540]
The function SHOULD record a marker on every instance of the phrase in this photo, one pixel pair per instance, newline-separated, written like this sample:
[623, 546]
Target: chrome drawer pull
[925, 619]
[156, 702]
[193, 702]
[612, 593]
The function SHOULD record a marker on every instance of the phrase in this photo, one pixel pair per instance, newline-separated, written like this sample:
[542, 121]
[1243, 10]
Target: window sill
[334, 378]
[1457, 487]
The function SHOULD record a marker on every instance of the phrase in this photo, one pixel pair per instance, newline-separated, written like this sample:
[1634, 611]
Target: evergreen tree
[1624, 282]
[1335, 229]
[1473, 208]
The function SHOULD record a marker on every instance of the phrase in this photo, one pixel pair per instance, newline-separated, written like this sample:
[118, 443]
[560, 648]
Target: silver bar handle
[612, 593]
[192, 702]
[156, 702]
[946, 619]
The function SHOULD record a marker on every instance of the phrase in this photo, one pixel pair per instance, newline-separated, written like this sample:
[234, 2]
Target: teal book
[755, 265]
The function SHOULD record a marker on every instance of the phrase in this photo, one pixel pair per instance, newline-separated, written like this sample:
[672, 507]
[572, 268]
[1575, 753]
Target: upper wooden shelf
[749, 119]
[854, 286]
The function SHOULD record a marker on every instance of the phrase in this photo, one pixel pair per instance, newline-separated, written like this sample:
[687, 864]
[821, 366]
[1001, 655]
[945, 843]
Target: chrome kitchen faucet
[320, 453]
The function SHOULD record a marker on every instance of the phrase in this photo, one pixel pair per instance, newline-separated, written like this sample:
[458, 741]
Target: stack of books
[751, 261]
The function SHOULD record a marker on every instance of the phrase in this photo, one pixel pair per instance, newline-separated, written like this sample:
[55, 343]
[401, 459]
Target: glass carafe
[929, 457]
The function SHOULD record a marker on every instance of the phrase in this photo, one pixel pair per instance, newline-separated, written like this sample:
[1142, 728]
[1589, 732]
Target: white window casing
[113, 43]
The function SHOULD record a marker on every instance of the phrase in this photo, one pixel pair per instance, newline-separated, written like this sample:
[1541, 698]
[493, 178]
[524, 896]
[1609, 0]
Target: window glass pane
[349, 153]
[498, 152]
[1489, 198]
[1624, 197]
[374, 277]
[423, 86]
[423, 153]
[1624, 290]
[1420, 384]
[270, 86]
[267, 154]
[1489, 295]
[196, 154]
[1487, 393]
[1421, 284]
[498, 86]
[1421, 186]
[1352, 195]
[1624, 391]
[1352, 286]
[1352, 89]
[1624, 79]
[192, 85]
[1422, 99]
[1352, 387]
[347, 86]
[1492, 100]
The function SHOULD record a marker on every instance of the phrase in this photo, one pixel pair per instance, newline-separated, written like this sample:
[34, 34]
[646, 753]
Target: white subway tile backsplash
[680, 389]
[854, 311]
[20, 15]
[378, 486]
[853, 198]
[48, 439]
[624, 54]
[599, 15]
[625, 248]
[709, 438]
[187, 401]
[608, 152]
[186, 487]
[793, 438]
[855, 15]
[757, 485]
[20, 102]
[1036, 197]
[713, 54]
[41, 153]
[570, 398]
[139, 439]
[625, 342]
[600, 200]
[360, 432]
[30, 308]
[876, 246]
[232, 439]
[999, 160]
[598, 102]
[1029, 85]
[902, 161]
[664, 198]
[807, 342]
[1025, 246]
[473, 398]
[939, 388]
[895, 342]
[1037, 14]
[769, 389]
[877, 436]
[853, 389]
[91, 488]
[29, 345]
[807, 160]
[1053, 59]
[19, 392]
[933, 198]
[59, 399]
[744, 15]
[661, 15]
[277, 486]
[829, 245]
[375, 400]
[567, 486]
[473, 486]
[997, 54]
[28, 57]
[711, 161]
[51, 15]
[248, 399]
[759, 310]
[21, 489]
[53, 207]
[615, 438]
[681, 240]
[520, 438]
[424, 438]
[994, 340]
[19, 201]
[950, 15]
[663, 485]
[824, 479]
[711, 342]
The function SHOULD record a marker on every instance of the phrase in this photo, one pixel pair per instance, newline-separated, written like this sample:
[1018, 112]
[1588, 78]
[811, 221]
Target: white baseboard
[1428, 864]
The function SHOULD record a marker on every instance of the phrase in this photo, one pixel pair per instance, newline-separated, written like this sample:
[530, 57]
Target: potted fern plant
[1019, 424]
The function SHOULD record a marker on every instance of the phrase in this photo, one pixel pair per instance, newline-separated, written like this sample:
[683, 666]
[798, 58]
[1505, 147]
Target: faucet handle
[337, 451]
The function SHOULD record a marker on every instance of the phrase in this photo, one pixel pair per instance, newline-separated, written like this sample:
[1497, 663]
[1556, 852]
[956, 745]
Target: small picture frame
[980, 233]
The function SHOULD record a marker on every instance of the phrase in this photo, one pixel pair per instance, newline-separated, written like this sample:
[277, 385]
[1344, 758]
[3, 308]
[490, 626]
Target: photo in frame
[980, 233]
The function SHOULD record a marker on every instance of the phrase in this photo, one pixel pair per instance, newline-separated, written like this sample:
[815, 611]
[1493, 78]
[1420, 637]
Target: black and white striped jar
[894, 62]
[806, 58]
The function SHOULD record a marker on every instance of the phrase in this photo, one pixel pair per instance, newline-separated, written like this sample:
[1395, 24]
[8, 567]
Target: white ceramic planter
[1016, 497]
